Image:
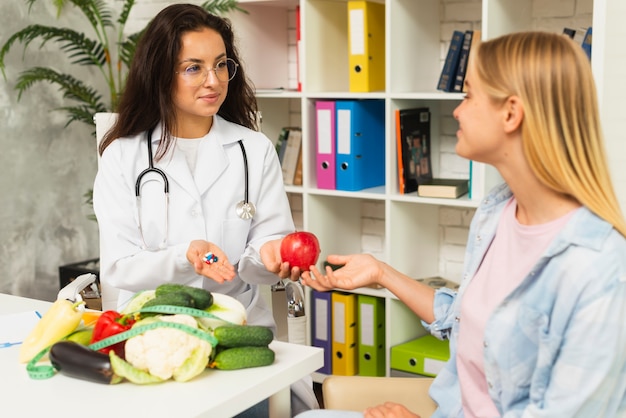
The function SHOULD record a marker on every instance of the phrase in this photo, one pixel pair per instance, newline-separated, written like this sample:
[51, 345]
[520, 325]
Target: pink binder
[325, 139]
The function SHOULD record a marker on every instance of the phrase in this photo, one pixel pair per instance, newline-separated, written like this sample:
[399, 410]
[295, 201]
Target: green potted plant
[108, 49]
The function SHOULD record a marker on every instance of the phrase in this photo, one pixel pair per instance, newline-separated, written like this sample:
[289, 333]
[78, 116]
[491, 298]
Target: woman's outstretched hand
[357, 270]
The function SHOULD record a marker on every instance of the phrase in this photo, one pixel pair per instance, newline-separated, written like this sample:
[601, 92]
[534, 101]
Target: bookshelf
[412, 237]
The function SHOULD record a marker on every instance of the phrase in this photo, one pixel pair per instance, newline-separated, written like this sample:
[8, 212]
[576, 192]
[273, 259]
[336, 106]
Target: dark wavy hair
[147, 97]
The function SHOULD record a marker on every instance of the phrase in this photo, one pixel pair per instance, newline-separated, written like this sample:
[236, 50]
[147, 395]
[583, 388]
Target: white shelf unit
[413, 63]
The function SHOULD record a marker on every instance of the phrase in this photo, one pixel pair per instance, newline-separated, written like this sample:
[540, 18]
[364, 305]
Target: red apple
[300, 249]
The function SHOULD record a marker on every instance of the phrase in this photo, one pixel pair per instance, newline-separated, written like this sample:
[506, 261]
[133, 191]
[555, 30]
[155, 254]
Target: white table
[212, 394]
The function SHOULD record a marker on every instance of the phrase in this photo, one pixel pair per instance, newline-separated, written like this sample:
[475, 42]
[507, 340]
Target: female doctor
[213, 185]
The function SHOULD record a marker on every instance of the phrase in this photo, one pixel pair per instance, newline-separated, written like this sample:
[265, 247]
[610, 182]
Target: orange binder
[366, 27]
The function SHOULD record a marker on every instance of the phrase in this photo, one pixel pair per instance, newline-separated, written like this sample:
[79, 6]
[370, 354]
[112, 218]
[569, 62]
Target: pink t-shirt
[513, 252]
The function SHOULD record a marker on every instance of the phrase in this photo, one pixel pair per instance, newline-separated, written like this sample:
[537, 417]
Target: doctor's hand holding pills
[210, 261]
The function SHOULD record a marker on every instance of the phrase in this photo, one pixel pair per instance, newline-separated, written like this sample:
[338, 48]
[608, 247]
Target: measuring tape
[46, 371]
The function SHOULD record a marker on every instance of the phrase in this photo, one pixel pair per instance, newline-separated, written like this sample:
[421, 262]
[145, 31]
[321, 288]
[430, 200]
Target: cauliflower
[169, 352]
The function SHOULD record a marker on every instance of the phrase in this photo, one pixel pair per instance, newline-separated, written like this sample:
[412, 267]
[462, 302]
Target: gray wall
[46, 167]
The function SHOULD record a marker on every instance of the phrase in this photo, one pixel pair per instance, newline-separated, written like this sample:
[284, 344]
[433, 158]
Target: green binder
[371, 335]
[424, 356]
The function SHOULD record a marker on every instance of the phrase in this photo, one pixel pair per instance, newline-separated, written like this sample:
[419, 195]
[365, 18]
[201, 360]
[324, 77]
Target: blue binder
[360, 159]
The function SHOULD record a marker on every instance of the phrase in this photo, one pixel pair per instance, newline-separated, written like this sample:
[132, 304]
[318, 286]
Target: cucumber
[202, 298]
[243, 335]
[243, 358]
[173, 298]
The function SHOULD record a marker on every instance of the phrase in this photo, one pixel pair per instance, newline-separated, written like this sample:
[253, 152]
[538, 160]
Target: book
[413, 147]
[459, 78]
[444, 188]
[290, 158]
[448, 72]
[297, 177]
[569, 32]
[476, 39]
[281, 143]
[582, 36]
[586, 44]
[470, 182]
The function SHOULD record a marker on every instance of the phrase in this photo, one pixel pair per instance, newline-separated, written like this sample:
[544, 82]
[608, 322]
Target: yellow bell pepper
[62, 318]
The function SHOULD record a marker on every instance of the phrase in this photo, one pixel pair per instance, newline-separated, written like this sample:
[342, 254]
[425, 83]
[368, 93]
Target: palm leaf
[80, 113]
[96, 11]
[126, 8]
[83, 50]
[221, 6]
[71, 87]
[58, 3]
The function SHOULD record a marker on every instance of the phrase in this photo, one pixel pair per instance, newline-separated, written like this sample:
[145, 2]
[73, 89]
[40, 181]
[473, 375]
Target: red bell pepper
[109, 324]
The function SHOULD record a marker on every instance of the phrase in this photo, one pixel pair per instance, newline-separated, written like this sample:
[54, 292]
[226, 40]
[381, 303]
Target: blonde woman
[538, 326]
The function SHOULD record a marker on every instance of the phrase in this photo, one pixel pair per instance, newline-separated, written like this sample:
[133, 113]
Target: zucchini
[243, 358]
[173, 298]
[75, 360]
[243, 335]
[202, 298]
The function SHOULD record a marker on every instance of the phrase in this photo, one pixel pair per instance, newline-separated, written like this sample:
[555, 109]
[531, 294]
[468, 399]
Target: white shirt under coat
[201, 206]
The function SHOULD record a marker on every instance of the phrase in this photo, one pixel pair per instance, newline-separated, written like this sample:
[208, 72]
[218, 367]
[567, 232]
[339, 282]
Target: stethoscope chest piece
[245, 210]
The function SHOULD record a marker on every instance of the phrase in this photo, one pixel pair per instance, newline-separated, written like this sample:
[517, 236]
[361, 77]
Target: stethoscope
[244, 209]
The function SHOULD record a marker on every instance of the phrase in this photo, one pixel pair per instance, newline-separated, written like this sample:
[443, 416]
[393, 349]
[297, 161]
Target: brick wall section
[373, 228]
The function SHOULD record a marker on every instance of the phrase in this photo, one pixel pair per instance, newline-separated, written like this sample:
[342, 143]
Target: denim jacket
[556, 345]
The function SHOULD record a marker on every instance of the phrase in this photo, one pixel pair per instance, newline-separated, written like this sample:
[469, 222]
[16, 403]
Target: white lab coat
[201, 206]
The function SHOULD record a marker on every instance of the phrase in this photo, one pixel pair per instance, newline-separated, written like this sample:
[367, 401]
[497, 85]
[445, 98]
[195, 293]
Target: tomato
[300, 249]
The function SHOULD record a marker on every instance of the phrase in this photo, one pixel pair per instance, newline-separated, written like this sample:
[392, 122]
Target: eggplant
[75, 360]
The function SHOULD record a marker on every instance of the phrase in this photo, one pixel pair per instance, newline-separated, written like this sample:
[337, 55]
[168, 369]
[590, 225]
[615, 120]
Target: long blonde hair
[561, 132]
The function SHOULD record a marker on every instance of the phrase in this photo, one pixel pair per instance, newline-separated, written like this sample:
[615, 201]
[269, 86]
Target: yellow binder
[344, 333]
[366, 27]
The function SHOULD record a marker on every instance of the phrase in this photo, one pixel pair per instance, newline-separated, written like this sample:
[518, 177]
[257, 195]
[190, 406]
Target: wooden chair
[355, 393]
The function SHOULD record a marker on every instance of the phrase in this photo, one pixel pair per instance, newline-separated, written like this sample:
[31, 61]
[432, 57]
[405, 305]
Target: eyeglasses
[195, 74]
